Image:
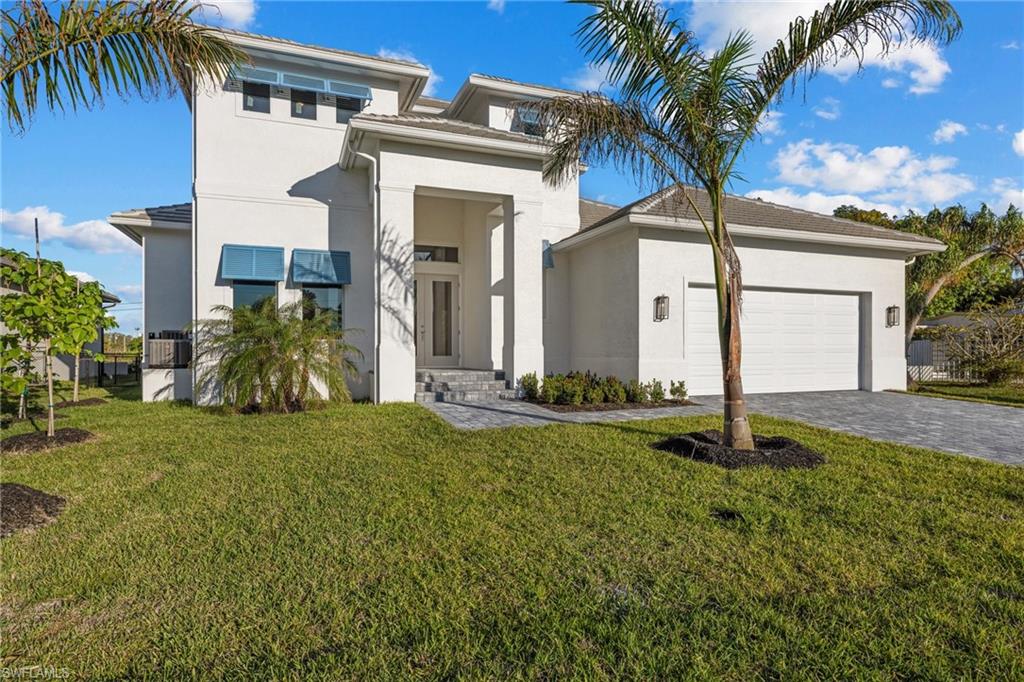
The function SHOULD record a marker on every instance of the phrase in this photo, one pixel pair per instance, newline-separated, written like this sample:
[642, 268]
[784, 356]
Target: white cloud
[829, 109]
[820, 202]
[82, 276]
[433, 80]
[89, 235]
[496, 5]
[589, 78]
[891, 83]
[1006, 191]
[231, 13]
[766, 22]
[770, 125]
[1012, 45]
[891, 174]
[129, 289]
[1018, 142]
[947, 131]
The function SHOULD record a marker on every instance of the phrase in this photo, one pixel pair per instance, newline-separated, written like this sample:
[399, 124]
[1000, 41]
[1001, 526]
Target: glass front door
[437, 320]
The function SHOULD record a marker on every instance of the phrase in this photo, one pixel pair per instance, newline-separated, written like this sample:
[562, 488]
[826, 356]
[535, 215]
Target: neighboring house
[63, 364]
[427, 224]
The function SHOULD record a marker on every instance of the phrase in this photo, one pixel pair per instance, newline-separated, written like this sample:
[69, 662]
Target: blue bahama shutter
[310, 266]
[349, 90]
[257, 263]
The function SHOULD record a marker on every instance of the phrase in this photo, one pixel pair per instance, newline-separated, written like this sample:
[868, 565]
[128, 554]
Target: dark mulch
[81, 403]
[774, 451]
[37, 440]
[606, 407]
[22, 508]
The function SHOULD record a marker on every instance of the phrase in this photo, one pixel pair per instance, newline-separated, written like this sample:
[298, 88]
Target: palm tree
[682, 115]
[268, 358]
[128, 47]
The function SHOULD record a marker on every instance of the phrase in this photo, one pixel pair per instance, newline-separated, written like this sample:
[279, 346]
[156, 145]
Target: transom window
[304, 104]
[529, 123]
[437, 254]
[256, 97]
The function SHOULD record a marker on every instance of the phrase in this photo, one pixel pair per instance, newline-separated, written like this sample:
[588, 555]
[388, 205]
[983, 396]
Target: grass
[1010, 395]
[365, 542]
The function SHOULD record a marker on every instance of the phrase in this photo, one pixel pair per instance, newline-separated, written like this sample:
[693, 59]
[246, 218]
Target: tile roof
[593, 211]
[527, 85]
[347, 53]
[171, 213]
[670, 203]
[432, 101]
[447, 125]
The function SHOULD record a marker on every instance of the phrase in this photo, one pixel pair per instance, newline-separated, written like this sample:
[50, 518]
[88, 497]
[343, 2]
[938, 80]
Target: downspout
[375, 204]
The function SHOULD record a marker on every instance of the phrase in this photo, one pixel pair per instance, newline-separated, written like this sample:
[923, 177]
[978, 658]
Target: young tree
[93, 48]
[82, 321]
[684, 115]
[38, 308]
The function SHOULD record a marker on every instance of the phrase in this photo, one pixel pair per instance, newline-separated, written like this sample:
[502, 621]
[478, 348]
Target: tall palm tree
[682, 115]
[127, 47]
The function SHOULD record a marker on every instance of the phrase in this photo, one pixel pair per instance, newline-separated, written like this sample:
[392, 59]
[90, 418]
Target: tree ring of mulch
[81, 403]
[37, 440]
[23, 508]
[777, 452]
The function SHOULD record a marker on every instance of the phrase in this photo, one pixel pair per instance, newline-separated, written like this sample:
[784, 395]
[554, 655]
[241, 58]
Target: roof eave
[480, 82]
[133, 226]
[906, 247]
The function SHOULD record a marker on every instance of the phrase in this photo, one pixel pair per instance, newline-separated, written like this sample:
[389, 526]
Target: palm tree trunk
[915, 317]
[736, 427]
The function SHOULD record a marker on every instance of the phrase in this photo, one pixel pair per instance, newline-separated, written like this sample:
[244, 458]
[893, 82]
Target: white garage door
[792, 341]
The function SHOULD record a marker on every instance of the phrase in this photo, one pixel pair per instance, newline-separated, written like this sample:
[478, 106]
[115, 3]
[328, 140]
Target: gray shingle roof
[447, 125]
[593, 211]
[670, 203]
[171, 213]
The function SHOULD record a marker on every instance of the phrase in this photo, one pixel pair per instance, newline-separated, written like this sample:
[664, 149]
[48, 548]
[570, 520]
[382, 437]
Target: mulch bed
[81, 403]
[777, 452]
[37, 440]
[22, 508]
[607, 407]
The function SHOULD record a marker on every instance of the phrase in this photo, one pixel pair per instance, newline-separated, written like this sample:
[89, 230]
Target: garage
[792, 341]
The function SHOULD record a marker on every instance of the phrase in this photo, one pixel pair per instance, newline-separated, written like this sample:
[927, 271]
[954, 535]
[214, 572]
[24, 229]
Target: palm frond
[124, 47]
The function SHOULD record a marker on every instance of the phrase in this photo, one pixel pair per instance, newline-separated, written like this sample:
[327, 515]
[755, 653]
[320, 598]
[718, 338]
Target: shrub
[530, 386]
[551, 388]
[572, 390]
[677, 389]
[656, 391]
[614, 391]
[594, 394]
[636, 392]
[992, 345]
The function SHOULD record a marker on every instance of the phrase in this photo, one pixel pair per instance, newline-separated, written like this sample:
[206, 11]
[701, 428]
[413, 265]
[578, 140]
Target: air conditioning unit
[168, 352]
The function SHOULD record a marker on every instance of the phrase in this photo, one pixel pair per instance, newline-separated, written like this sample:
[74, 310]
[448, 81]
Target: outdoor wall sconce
[660, 308]
[892, 316]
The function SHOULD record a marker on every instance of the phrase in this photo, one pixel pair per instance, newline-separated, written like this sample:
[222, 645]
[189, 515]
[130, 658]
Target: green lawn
[368, 542]
[997, 395]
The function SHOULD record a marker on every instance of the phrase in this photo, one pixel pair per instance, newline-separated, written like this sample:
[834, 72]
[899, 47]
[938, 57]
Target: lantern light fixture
[660, 308]
[892, 316]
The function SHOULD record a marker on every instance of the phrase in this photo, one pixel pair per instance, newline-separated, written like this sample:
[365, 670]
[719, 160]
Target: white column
[397, 344]
[523, 350]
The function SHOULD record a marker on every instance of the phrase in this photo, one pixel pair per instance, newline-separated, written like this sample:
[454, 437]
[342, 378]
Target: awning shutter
[349, 90]
[310, 266]
[257, 263]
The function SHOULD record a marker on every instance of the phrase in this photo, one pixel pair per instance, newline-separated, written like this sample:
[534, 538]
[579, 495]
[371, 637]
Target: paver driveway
[993, 432]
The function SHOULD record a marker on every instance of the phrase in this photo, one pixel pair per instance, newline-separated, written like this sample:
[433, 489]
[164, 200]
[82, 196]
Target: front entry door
[437, 320]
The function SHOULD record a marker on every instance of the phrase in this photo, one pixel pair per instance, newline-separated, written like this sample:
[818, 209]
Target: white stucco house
[324, 173]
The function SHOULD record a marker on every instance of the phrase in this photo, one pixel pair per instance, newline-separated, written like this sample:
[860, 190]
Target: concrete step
[434, 386]
[458, 375]
[463, 396]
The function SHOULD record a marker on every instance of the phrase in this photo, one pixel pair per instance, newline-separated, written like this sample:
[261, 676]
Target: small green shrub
[677, 389]
[594, 394]
[530, 386]
[614, 391]
[656, 391]
[551, 388]
[572, 391]
[636, 392]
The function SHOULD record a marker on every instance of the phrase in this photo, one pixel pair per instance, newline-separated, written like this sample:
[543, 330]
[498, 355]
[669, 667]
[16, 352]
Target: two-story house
[426, 223]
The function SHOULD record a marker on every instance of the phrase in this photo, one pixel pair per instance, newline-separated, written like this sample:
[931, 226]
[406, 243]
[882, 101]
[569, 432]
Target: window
[529, 123]
[304, 104]
[253, 294]
[437, 254]
[256, 97]
[318, 300]
[347, 107]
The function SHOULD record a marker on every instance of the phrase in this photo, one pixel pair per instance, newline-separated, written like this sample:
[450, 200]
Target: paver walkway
[992, 432]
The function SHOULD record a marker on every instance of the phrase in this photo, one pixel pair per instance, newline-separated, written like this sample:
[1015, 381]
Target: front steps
[447, 385]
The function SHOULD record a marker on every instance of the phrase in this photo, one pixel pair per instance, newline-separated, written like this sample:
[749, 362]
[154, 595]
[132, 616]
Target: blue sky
[926, 127]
